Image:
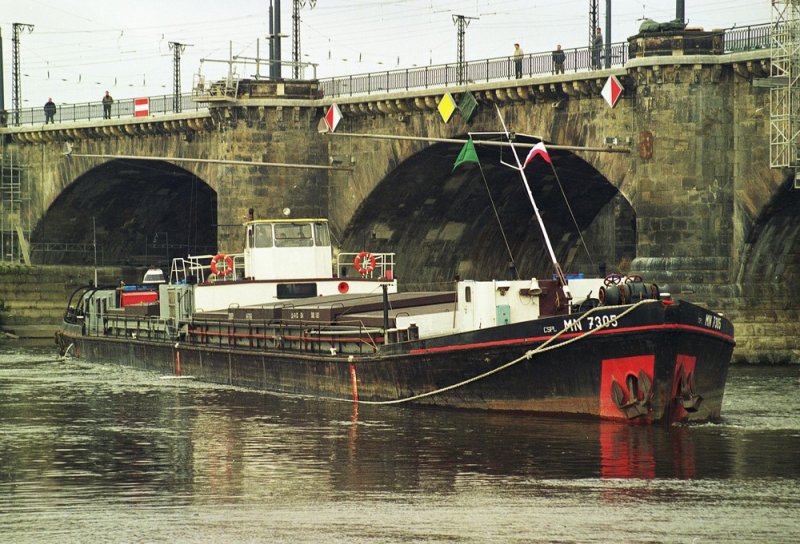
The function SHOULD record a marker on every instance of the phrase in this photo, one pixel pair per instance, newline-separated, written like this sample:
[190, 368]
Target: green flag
[467, 154]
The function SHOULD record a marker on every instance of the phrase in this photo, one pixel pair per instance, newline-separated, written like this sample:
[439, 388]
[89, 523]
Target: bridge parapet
[178, 123]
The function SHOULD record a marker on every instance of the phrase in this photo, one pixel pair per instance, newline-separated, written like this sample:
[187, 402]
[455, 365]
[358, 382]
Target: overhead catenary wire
[94, 41]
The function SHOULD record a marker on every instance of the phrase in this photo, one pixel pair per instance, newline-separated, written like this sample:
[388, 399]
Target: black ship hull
[659, 361]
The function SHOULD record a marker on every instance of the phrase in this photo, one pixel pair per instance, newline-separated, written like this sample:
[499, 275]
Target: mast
[557, 267]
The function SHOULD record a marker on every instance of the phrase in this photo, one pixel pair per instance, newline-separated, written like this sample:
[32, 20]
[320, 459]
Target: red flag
[540, 150]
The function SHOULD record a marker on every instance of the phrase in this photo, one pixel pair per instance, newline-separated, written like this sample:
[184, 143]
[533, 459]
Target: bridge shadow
[442, 224]
[138, 212]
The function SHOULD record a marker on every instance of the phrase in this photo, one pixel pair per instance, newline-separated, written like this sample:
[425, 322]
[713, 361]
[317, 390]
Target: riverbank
[33, 298]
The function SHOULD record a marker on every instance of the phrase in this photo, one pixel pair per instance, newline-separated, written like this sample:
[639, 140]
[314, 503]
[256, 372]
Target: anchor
[640, 393]
[687, 392]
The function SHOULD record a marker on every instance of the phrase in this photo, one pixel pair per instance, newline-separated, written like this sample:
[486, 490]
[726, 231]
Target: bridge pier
[684, 174]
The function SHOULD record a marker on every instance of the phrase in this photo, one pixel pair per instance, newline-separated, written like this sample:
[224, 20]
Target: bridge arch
[772, 255]
[443, 223]
[139, 212]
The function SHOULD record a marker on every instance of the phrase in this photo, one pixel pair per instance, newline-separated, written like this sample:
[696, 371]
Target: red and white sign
[333, 116]
[141, 107]
[612, 91]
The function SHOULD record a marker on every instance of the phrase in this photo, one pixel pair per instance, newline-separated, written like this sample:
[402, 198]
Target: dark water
[94, 452]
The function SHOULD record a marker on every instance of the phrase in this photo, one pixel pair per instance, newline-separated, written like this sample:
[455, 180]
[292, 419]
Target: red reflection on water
[626, 451]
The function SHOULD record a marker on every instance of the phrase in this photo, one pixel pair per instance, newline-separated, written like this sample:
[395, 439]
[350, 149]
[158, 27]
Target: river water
[118, 455]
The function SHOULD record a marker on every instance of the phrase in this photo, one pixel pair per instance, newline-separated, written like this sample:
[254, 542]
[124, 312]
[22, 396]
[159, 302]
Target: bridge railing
[88, 111]
[492, 69]
[747, 38]
[579, 59]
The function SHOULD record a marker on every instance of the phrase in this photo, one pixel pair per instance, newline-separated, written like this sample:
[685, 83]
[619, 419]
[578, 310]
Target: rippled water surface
[105, 453]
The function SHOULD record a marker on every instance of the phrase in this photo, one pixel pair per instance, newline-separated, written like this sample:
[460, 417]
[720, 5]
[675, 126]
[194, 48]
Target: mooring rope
[527, 355]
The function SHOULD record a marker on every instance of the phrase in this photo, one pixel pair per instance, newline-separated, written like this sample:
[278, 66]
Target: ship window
[263, 235]
[321, 234]
[297, 290]
[293, 235]
[467, 294]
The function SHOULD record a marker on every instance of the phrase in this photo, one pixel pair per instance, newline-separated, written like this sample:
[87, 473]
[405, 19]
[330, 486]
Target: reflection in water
[211, 462]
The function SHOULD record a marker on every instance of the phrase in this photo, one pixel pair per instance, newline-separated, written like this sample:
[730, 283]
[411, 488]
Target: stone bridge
[683, 194]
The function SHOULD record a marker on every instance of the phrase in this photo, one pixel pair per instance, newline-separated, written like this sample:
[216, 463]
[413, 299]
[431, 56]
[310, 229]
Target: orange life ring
[364, 263]
[228, 265]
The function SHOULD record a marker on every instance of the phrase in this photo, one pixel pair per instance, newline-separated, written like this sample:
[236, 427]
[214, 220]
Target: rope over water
[546, 346]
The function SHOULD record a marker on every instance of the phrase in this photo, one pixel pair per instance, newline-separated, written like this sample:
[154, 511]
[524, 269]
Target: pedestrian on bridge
[558, 60]
[597, 48]
[49, 111]
[518, 54]
[107, 101]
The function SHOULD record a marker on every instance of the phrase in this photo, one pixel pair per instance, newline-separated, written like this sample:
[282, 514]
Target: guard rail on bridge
[578, 59]
[88, 111]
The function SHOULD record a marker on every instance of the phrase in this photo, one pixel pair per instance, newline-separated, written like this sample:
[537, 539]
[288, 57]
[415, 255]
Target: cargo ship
[288, 315]
[284, 316]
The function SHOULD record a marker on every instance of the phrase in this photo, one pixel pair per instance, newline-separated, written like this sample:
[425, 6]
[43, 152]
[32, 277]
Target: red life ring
[364, 263]
[227, 269]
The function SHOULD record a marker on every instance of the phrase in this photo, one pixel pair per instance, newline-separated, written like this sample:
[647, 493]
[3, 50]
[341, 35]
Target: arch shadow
[772, 254]
[139, 213]
[443, 224]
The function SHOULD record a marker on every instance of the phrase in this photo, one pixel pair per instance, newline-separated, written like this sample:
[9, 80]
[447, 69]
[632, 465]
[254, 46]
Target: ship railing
[197, 268]
[323, 337]
[362, 264]
[151, 328]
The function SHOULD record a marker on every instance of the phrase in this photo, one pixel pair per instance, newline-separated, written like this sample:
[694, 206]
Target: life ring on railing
[223, 271]
[364, 263]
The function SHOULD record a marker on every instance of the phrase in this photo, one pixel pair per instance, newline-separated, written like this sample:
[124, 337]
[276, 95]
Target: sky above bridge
[78, 50]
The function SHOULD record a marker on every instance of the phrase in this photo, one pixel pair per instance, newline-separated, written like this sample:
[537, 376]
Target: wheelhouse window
[262, 235]
[322, 235]
[293, 235]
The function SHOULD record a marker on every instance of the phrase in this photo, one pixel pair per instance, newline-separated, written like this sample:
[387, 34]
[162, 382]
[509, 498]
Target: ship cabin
[287, 249]
[283, 259]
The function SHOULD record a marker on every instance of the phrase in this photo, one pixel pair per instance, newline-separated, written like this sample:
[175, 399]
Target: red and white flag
[540, 150]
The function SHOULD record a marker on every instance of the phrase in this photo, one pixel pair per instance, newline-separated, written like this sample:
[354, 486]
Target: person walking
[107, 101]
[558, 60]
[49, 111]
[597, 47]
[518, 54]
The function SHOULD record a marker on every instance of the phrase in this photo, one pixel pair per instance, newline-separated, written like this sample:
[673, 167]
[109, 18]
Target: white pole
[556, 266]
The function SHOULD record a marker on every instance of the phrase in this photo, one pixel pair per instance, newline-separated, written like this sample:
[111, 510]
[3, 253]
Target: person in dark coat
[107, 101]
[49, 111]
[597, 48]
[558, 60]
